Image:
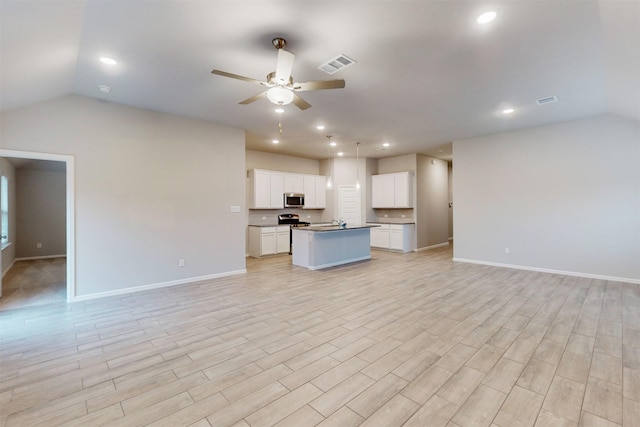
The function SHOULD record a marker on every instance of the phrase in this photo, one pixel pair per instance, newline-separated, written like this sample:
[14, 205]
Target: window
[4, 208]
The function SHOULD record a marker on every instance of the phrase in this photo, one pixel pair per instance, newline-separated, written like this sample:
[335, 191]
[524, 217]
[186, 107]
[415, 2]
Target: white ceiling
[426, 73]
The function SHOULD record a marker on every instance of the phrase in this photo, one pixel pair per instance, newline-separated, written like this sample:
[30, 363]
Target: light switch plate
[235, 209]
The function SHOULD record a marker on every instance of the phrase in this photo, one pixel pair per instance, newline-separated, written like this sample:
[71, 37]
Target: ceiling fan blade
[284, 66]
[254, 98]
[300, 103]
[319, 84]
[236, 76]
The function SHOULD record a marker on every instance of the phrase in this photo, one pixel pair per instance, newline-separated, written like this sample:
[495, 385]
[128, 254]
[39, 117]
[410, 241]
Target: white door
[349, 205]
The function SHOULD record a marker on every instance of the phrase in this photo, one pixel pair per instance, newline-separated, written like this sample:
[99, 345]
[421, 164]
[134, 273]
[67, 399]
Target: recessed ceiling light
[104, 88]
[275, 141]
[508, 111]
[279, 110]
[386, 144]
[487, 17]
[340, 153]
[320, 127]
[108, 61]
[333, 143]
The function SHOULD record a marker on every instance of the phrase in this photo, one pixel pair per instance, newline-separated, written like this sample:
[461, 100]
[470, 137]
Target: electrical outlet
[39, 245]
[180, 262]
[507, 250]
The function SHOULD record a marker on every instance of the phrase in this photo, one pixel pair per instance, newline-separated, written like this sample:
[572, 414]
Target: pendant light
[329, 178]
[357, 166]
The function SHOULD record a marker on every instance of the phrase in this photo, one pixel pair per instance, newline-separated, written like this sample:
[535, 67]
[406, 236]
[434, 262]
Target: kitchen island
[327, 246]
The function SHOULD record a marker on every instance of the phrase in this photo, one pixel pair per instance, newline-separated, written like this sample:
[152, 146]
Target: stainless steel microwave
[293, 200]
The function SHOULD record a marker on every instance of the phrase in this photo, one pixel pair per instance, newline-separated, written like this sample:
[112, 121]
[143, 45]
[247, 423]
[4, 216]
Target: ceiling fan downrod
[279, 43]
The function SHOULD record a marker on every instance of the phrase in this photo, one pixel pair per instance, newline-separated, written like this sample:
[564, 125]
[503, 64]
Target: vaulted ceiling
[426, 72]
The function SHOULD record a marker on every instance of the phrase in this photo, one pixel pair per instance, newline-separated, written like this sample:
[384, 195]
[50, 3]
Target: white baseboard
[8, 268]
[551, 271]
[31, 258]
[337, 263]
[155, 286]
[426, 248]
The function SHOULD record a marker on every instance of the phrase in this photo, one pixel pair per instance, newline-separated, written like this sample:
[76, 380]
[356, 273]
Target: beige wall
[281, 162]
[8, 254]
[562, 198]
[432, 202]
[150, 189]
[41, 213]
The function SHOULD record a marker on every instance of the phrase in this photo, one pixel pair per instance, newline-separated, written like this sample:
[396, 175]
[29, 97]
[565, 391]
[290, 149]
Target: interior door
[349, 205]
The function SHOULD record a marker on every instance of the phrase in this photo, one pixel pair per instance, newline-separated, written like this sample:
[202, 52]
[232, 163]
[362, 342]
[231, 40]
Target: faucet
[339, 222]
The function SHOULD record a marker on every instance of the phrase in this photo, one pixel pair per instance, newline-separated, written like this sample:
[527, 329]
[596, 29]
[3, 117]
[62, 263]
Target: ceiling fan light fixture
[279, 95]
[487, 17]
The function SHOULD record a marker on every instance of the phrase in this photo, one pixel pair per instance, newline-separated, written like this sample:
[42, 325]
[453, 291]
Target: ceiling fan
[280, 82]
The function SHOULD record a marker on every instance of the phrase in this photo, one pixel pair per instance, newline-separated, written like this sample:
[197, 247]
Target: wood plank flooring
[404, 339]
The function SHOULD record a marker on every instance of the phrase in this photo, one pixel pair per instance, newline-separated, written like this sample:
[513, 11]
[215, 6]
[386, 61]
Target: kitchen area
[290, 205]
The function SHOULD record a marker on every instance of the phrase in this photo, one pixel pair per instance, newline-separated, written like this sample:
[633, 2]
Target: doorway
[349, 204]
[69, 207]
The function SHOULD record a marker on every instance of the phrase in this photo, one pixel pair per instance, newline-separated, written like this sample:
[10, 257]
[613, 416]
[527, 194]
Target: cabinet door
[268, 241]
[382, 191]
[309, 191]
[276, 190]
[403, 190]
[282, 240]
[396, 238]
[293, 183]
[321, 192]
[261, 189]
[380, 237]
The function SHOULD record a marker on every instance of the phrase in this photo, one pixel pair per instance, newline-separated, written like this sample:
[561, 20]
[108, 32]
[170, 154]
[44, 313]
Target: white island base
[322, 247]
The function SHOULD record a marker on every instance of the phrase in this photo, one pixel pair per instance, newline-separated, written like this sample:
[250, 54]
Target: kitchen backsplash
[394, 215]
[270, 216]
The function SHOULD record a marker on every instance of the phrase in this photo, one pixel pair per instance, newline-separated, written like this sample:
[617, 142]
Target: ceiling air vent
[547, 100]
[336, 64]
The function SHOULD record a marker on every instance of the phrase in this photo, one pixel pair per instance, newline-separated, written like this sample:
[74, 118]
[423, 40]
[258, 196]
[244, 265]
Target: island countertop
[336, 227]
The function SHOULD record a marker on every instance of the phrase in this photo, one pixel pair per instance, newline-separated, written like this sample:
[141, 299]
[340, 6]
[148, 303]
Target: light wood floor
[413, 340]
[34, 282]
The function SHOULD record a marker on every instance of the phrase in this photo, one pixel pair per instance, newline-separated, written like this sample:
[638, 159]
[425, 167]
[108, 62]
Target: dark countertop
[389, 222]
[334, 228]
[280, 225]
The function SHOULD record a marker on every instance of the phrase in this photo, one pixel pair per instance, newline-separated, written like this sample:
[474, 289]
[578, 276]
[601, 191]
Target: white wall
[40, 213]
[150, 188]
[563, 198]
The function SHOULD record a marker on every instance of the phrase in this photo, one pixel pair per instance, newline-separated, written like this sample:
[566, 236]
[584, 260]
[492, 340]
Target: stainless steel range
[293, 220]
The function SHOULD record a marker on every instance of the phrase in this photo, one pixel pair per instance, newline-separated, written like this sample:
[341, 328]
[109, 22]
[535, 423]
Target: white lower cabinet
[398, 237]
[380, 236]
[268, 240]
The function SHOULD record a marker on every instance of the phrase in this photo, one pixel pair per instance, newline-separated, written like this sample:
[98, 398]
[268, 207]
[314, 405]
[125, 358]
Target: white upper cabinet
[260, 189]
[293, 183]
[392, 190]
[267, 188]
[403, 194]
[382, 191]
[321, 192]
[277, 190]
[315, 192]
